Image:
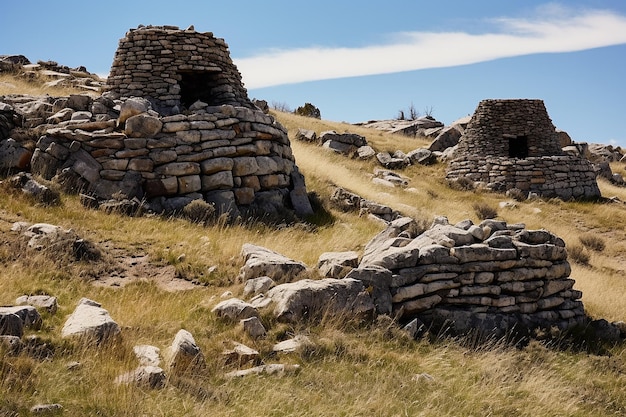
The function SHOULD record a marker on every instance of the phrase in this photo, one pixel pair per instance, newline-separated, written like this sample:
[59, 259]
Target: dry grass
[10, 84]
[352, 369]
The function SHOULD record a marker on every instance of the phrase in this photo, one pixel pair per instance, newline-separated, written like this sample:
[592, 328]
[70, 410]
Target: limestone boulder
[260, 261]
[305, 135]
[448, 137]
[421, 156]
[390, 162]
[145, 376]
[184, 356]
[313, 299]
[142, 126]
[90, 322]
[292, 345]
[337, 264]
[255, 286]
[253, 327]
[147, 355]
[278, 369]
[28, 315]
[13, 156]
[132, 107]
[234, 309]
[11, 325]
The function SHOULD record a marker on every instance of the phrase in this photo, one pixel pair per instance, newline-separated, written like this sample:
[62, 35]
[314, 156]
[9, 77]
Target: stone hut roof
[173, 68]
[510, 128]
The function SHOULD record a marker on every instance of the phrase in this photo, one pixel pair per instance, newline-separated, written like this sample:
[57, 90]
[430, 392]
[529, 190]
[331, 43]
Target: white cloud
[555, 30]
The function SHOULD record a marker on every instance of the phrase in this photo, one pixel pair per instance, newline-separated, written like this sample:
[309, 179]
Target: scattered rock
[91, 323]
[305, 135]
[260, 262]
[184, 356]
[145, 376]
[291, 345]
[253, 327]
[255, 286]
[46, 302]
[235, 309]
[270, 369]
[147, 355]
[240, 354]
[46, 408]
[28, 315]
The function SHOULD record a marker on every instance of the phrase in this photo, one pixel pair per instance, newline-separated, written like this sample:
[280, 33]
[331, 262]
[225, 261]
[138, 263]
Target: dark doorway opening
[518, 147]
[198, 85]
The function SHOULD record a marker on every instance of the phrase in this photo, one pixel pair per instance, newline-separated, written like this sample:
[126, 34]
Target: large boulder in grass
[91, 322]
[260, 261]
[448, 137]
[314, 299]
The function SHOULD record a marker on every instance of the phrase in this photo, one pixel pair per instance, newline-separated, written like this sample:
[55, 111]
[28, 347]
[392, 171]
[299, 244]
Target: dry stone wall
[492, 277]
[513, 144]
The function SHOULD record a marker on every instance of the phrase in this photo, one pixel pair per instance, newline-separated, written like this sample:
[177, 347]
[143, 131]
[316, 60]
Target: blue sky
[366, 60]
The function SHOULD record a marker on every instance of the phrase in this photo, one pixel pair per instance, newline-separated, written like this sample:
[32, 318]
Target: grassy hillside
[352, 369]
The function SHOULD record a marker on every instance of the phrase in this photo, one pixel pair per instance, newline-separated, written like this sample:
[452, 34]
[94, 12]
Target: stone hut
[175, 125]
[175, 68]
[512, 143]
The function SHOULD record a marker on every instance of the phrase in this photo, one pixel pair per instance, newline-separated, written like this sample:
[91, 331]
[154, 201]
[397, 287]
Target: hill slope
[350, 368]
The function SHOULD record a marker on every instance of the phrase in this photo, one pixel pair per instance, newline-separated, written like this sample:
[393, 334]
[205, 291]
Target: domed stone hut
[175, 68]
[512, 143]
[176, 125]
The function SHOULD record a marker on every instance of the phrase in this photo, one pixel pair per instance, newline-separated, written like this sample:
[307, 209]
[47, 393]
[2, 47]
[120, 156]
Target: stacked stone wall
[234, 157]
[150, 62]
[491, 277]
[564, 177]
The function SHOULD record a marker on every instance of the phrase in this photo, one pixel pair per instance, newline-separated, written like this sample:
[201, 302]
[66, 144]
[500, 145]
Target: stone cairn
[512, 144]
[492, 277]
[175, 126]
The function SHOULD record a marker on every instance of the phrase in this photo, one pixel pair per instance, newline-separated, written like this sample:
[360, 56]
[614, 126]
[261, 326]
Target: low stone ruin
[493, 278]
[175, 126]
[512, 144]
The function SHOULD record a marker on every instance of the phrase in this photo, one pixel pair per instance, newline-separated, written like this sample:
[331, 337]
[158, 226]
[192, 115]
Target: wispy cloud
[555, 29]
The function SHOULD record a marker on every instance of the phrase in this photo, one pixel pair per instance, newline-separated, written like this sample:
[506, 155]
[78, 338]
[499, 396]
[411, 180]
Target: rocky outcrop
[56, 241]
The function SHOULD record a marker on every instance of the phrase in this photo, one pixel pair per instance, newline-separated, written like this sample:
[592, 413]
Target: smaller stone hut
[511, 144]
